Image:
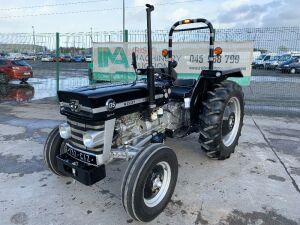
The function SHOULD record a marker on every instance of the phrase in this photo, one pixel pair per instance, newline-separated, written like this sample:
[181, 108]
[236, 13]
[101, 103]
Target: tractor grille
[77, 131]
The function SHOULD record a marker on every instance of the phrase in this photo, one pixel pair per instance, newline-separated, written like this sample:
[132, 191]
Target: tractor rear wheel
[221, 120]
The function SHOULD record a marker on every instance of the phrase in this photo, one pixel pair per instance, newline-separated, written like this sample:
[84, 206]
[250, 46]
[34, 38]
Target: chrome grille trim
[77, 131]
[98, 127]
[77, 145]
[77, 134]
[76, 123]
[76, 137]
[85, 125]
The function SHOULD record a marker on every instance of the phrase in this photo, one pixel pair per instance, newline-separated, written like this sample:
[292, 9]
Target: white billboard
[114, 59]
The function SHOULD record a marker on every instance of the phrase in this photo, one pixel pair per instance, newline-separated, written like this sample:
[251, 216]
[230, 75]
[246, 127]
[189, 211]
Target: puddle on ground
[271, 217]
[14, 164]
[288, 147]
[38, 88]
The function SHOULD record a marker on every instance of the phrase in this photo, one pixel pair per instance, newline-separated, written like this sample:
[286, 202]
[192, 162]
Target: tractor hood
[107, 101]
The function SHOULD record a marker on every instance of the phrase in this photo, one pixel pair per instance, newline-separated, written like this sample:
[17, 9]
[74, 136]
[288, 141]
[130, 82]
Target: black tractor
[131, 121]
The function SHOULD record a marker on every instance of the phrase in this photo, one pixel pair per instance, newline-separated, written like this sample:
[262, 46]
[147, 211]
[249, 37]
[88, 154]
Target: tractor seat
[182, 88]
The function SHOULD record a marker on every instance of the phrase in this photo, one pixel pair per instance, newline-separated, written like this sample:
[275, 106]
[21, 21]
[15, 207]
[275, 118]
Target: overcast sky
[102, 15]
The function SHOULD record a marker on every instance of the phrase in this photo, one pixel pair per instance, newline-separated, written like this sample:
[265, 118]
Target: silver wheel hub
[231, 121]
[157, 184]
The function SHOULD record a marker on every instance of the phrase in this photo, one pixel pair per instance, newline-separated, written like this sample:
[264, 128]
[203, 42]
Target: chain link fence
[270, 90]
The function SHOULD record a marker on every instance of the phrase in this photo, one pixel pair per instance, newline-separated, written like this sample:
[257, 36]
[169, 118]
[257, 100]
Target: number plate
[26, 73]
[84, 157]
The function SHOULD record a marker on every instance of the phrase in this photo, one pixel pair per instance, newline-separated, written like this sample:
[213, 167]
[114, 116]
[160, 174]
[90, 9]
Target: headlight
[92, 139]
[65, 130]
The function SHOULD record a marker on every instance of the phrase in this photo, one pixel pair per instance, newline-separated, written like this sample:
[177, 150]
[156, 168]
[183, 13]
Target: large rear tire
[149, 182]
[221, 120]
[53, 147]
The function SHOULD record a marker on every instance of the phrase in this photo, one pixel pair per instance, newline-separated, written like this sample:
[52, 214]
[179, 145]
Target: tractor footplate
[81, 172]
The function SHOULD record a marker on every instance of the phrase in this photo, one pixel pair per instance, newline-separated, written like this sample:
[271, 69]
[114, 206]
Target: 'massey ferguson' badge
[110, 104]
[74, 105]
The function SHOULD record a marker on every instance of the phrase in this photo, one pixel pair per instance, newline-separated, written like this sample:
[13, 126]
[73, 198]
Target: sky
[17, 16]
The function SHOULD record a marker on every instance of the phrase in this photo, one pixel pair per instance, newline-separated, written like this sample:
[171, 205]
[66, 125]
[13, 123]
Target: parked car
[14, 56]
[88, 58]
[14, 70]
[3, 55]
[60, 59]
[272, 63]
[67, 58]
[39, 55]
[286, 66]
[78, 58]
[295, 67]
[46, 58]
[29, 56]
[260, 61]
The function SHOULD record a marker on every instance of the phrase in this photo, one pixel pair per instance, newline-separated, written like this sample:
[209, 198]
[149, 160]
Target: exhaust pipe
[150, 68]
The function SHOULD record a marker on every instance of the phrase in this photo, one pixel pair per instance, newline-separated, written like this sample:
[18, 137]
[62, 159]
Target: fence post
[57, 61]
[125, 36]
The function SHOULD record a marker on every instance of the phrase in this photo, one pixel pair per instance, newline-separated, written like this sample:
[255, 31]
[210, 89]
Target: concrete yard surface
[258, 185]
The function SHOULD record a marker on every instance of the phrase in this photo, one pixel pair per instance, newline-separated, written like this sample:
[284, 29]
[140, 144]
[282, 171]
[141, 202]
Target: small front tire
[53, 147]
[149, 182]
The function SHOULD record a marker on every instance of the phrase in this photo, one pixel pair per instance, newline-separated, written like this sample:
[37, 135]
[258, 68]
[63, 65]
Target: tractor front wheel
[221, 120]
[53, 147]
[149, 182]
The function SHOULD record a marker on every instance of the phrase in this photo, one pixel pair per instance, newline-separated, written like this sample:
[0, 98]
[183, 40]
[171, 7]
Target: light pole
[33, 35]
[91, 35]
[123, 20]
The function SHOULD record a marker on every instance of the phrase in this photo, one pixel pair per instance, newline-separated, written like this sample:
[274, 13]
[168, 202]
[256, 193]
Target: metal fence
[269, 91]
[272, 39]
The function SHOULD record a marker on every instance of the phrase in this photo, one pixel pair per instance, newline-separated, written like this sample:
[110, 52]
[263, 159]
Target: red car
[60, 59]
[14, 70]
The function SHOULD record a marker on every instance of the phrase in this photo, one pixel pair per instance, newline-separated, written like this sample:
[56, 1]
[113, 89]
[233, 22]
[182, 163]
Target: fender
[207, 79]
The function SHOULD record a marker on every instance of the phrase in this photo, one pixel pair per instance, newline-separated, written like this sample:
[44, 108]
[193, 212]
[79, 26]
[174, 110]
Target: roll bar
[190, 21]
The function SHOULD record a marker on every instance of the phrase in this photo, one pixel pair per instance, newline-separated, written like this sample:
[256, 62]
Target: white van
[260, 61]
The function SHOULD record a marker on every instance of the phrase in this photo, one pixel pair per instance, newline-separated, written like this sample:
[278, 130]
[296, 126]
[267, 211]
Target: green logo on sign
[118, 57]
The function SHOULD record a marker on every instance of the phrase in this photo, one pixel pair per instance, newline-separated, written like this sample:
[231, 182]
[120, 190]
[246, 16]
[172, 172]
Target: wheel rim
[157, 184]
[231, 121]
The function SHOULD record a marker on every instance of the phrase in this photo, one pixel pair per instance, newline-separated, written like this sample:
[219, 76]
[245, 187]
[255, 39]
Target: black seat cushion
[184, 82]
[182, 88]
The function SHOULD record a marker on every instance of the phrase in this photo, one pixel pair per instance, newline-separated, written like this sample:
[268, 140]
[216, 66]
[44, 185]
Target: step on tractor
[131, 121]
